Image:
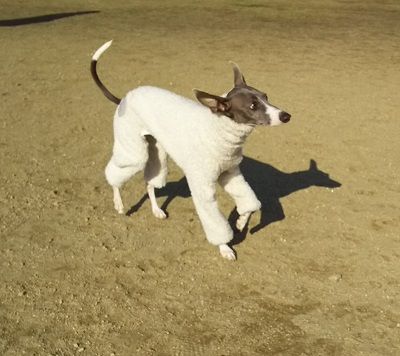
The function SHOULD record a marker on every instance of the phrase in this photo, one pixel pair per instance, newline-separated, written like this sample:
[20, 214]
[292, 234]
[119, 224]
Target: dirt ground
[318, 268]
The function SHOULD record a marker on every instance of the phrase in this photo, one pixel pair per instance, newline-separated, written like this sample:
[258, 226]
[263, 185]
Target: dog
[204, 138]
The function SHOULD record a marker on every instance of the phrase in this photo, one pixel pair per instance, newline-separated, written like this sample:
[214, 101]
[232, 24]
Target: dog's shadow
[269, 183]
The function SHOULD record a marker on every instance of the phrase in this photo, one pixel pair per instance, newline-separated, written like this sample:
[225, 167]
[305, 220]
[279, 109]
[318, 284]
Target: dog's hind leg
[246, 201]
[129, 156]
[157, 211]
[118, 205]
[117, 175]
[155, 173]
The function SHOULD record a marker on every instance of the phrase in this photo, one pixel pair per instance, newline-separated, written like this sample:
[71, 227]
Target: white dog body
[183, 125]
[203, 145]
[204, 140]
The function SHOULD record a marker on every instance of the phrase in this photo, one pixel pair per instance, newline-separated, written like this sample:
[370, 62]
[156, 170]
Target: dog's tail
[96, 78]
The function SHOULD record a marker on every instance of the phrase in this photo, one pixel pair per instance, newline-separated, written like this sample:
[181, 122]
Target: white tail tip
[101, 50]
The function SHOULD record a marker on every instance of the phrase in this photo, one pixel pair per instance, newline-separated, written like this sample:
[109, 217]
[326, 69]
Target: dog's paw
[242, 221]
[227, 252]
[159, 213]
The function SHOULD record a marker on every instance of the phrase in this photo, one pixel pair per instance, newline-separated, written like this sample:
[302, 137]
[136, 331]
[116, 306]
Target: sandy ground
[318, 269]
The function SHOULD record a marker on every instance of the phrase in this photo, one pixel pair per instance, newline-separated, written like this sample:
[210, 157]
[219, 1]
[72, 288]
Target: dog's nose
[284, 116]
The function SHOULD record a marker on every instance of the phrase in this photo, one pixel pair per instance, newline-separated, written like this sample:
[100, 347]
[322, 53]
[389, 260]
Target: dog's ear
[238, 76]
[217, 104]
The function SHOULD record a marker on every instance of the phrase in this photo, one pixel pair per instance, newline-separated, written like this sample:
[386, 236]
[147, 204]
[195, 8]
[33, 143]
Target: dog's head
[244, 104]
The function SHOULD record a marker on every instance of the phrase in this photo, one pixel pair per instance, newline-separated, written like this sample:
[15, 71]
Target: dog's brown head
[244, 104]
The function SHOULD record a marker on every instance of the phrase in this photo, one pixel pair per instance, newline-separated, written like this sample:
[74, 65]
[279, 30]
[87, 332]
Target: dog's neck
[232, 132]
[226, 140]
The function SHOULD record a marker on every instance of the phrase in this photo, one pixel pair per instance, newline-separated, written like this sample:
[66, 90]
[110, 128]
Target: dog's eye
[253, 105]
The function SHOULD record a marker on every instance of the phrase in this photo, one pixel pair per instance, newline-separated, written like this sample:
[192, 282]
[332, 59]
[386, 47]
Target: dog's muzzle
[284, 116]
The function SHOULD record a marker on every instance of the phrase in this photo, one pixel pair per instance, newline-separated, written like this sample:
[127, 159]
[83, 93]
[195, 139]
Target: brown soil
[317, 272]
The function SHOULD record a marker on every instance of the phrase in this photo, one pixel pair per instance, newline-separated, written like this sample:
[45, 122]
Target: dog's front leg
[214, 223]
[242, 221]
[246, 201]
